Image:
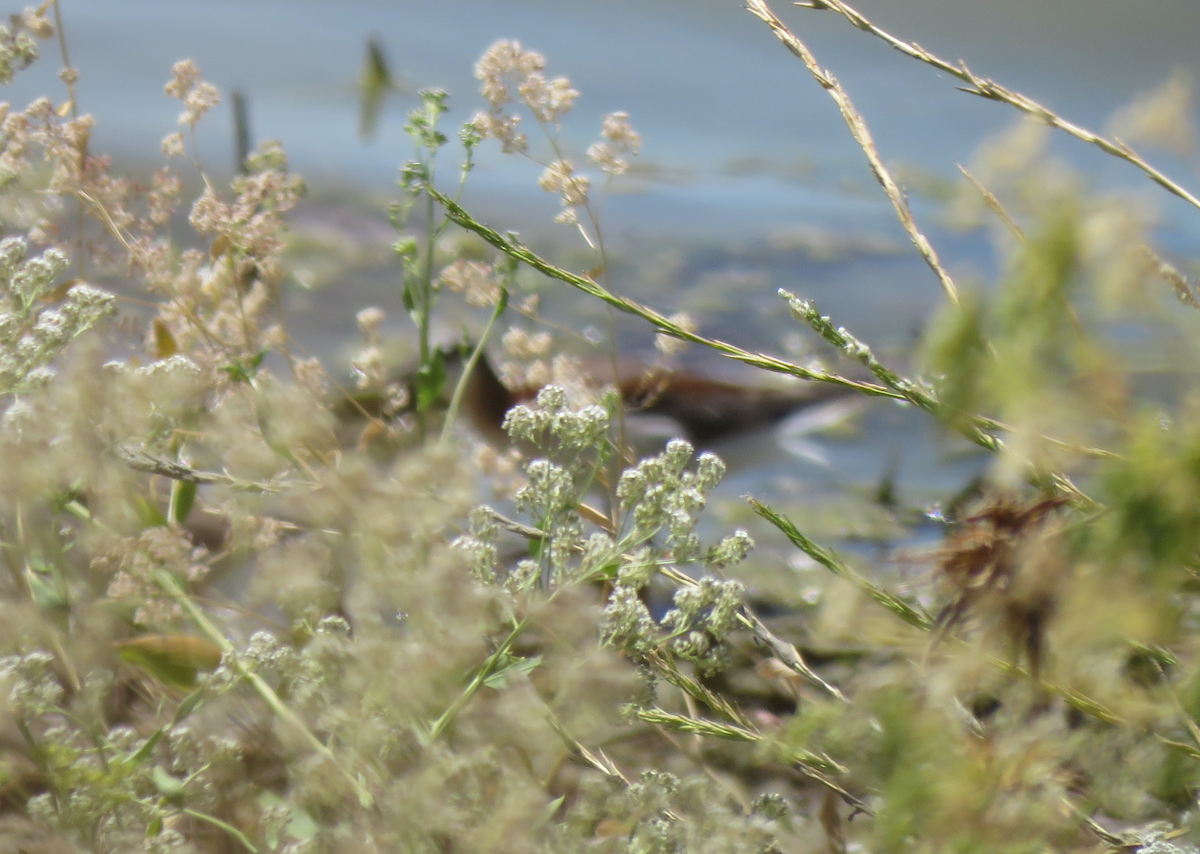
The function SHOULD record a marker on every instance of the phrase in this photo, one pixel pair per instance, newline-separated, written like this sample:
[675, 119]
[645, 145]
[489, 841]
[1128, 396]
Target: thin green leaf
[906, 612]
[499, 677]
[225, 826]
[183, 498]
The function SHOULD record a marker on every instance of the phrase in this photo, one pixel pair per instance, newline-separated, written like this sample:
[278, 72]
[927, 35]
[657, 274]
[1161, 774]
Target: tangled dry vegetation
[247, 608]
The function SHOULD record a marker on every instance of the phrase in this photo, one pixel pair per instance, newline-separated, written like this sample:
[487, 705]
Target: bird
[660, 402]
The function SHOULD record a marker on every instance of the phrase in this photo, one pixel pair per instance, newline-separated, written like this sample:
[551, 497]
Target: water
[703, 80]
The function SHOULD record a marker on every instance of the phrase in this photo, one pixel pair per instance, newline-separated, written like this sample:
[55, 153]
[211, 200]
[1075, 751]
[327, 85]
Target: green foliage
[957, 354]
[1153, 493]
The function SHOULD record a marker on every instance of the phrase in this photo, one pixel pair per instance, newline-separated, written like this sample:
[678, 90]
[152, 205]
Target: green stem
[781, 649]
[460, 387]
[520, 253]
[223, 825]
[696, 726]
[906, 612]
[438, 727]
[172, 587]
[425, 308]
[976, 428]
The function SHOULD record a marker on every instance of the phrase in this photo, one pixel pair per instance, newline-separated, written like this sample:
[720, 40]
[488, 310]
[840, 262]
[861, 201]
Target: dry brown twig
[993, 91]
[862, 136]
[985, 88]
[141, 460]
[993, 203]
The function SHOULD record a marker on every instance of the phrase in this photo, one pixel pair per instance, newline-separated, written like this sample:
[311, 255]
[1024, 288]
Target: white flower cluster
[32, 333]
[703, 617]
[553, 427]
[267, 656]
[510, 74]
[660, 493]
[560, 177]
[619, 139]
[18, 45]
[475, 280]
[555, 483]
[369, 366]
[505, 67]
[34, 689]
[176, 365]
[659, 501]
[198, 96]
[519, 344]
[480, 544]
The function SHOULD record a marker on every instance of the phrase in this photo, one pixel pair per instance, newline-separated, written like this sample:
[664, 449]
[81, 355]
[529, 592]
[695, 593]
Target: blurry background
[748, 141]
[748, 180]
